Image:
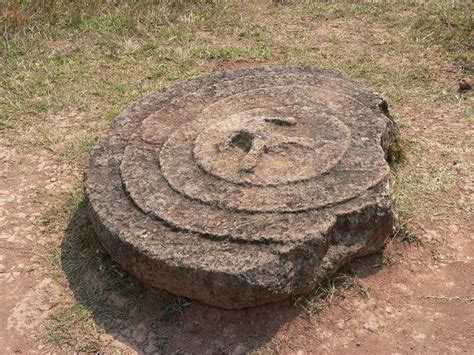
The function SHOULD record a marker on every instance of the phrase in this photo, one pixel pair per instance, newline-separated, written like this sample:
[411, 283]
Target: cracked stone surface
[244, 187]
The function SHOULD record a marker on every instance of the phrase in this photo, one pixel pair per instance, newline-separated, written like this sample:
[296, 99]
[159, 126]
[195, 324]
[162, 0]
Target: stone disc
[244, 187]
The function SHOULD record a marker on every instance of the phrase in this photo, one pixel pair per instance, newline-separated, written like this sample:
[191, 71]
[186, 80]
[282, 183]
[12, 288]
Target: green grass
[61, 330]
[101, 57]
[77, 150]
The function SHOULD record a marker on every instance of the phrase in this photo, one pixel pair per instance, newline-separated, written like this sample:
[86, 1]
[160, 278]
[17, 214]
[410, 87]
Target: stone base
[244, 187]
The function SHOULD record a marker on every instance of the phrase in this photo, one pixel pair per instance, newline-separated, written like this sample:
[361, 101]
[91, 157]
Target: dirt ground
[61, 294]
[421, 300]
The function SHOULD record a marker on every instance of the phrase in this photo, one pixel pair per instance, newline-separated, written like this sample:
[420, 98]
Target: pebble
[453, 228]
[151, 349]
[371, 326]
[431, 235]
[140, 333]
[239, 350]
[464, 85]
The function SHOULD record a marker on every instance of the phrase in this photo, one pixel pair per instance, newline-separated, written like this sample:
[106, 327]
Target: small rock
[419, 336]
[371, 326]
[140, 333]
[219, 344]
[151, 349]
[431, 235]
[116, 300]
[2, 268]
[453, 228]
[464, 85]
[106, 338]
[239, 350]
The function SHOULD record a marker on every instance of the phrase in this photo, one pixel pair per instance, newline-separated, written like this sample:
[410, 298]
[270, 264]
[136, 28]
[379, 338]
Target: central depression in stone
[252, 148]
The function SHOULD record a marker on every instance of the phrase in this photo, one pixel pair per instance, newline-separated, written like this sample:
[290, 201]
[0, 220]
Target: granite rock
[244, 187]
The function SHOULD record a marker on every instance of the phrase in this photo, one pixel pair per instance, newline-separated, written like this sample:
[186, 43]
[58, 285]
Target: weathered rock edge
[224, 272]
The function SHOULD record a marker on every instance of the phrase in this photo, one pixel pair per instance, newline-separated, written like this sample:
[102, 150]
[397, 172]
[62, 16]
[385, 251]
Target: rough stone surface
[244, 187]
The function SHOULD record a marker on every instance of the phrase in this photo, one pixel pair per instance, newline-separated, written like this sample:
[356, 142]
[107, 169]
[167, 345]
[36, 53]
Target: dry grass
[331, 290]
[96, 57]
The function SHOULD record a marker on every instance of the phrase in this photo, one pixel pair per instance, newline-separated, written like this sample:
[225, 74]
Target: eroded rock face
[244, 187]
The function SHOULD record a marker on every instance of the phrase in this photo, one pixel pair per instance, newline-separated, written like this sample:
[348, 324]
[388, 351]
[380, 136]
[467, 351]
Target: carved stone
[244, 187]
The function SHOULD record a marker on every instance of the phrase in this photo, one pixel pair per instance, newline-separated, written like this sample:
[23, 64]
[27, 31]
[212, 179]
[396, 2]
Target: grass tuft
[406, 236]
[334, 288]
[403, 232]
[172, 309]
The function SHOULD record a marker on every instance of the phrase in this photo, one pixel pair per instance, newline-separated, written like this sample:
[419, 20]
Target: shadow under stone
[368, 265]
[149, 320]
